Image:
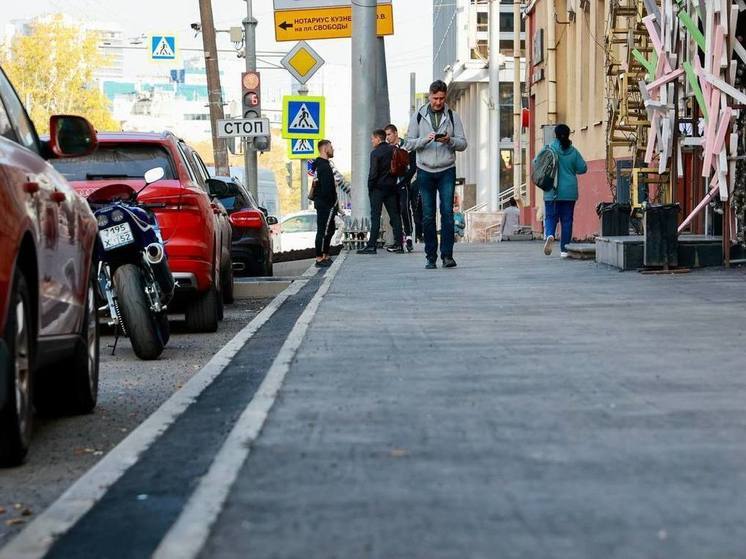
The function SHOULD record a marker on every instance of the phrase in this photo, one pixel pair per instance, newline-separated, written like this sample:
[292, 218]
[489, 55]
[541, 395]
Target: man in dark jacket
[382, 192]
[325, 202]
[406, 192]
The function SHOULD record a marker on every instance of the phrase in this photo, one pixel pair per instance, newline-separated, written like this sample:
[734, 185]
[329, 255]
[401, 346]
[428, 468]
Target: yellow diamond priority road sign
[326, 23]
[302, 62]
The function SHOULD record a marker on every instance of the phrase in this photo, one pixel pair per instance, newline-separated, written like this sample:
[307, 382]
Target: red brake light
[247, 219]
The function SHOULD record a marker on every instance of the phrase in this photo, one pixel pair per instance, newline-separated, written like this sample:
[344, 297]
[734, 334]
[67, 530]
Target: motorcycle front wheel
[140, 324]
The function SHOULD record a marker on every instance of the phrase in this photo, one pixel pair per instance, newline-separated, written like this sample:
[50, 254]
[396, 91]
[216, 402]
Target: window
[116, 161]
[25, 133]
[185, 159]
[300, 224]
[6, 130]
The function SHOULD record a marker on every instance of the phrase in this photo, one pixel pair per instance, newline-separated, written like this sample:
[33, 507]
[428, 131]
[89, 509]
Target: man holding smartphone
[436, 133]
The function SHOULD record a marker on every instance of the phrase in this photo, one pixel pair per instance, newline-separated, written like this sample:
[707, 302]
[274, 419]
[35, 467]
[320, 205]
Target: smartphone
[439, 136]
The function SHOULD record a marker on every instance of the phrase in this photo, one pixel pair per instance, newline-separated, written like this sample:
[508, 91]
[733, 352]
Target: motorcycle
[134, 278]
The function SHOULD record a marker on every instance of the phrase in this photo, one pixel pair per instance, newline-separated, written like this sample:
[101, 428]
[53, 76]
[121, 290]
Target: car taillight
[247, 219]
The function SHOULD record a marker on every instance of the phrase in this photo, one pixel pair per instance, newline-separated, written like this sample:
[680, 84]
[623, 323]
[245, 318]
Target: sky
[408, 50]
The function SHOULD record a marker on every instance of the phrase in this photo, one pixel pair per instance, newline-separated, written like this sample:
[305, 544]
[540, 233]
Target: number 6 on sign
[303, 117]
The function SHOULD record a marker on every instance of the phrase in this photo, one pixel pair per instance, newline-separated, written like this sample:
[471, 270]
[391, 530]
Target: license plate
[117, 236]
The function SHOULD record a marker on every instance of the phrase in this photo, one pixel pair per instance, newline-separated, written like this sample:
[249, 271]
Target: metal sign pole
[494, 73]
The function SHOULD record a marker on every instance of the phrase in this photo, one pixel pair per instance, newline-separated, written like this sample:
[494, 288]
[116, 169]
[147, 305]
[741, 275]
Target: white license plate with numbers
[116, 236]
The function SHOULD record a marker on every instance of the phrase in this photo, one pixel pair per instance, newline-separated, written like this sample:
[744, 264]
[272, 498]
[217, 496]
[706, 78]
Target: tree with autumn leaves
[52, 69]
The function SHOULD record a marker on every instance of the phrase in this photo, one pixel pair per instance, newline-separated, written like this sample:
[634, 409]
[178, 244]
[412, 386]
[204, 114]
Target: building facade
[566, 84]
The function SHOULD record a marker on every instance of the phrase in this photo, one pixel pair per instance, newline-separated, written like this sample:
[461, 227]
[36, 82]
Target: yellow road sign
[302, 62]
[326, 23]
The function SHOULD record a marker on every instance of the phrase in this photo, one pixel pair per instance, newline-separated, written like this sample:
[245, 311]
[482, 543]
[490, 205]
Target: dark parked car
[48, 322]
[251, 249]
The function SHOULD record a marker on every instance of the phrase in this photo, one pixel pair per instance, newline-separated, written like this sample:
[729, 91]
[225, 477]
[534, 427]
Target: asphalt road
[130, 390]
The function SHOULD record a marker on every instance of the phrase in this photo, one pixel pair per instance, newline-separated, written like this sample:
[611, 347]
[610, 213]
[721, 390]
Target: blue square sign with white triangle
[303, 117]
[163, 47]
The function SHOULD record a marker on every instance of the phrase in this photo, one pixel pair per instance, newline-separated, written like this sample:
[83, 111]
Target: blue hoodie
[571, 164]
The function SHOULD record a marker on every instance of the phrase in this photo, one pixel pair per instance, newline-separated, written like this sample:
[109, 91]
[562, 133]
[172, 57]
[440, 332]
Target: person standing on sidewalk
[559, 203]
[325, 202]
[436, 133]
[404, 185]
[382, 192]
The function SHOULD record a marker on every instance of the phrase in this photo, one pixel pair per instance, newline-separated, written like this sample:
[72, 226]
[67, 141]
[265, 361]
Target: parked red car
[195, 229]
[48, 317]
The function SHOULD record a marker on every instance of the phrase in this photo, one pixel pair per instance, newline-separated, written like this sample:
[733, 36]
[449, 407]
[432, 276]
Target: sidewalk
[517, 406]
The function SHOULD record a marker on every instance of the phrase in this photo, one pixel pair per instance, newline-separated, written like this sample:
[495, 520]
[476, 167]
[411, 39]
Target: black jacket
[380, 176]
[326, 190]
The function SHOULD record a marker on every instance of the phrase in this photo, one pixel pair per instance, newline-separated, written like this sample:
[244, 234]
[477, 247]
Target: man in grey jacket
[436, 134]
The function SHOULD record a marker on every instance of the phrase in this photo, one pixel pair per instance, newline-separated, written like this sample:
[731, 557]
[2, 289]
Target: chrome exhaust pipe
[154, 253]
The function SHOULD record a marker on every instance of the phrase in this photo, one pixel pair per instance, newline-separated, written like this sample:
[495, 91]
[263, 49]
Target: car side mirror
[272, 220]
[154, 175]
[264, 211]
[217, 188]
[71, 136]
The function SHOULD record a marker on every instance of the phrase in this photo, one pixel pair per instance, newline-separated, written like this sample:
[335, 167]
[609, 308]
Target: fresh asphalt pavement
[516, 406]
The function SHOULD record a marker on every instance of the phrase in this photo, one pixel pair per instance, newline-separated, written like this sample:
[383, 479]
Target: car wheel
[16, 415]
[139, 323]
[268, 267]
[202, 315]
[227, 283]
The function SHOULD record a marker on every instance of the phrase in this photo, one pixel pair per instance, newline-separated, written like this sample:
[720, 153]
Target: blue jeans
[562, 211]
[444, 184]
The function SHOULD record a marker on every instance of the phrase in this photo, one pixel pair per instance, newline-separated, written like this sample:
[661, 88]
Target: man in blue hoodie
[559, 203]
[436, 134]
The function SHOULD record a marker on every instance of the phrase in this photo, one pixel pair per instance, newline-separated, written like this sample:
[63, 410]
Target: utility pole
[363, 65]
[383, 110]
[412, 93]
[251, 173]
[517, 104]
[214, 93]
[494, 75]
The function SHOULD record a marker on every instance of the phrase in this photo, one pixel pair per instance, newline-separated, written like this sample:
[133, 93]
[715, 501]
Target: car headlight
[117, 216]
[102, 219]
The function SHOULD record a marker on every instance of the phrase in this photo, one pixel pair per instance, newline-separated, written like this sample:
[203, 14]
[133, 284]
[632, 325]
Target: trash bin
[614, 218]
[661, 236]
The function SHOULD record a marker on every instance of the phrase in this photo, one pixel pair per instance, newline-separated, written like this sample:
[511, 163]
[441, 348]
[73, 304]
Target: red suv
[195, 229]
[48, 316]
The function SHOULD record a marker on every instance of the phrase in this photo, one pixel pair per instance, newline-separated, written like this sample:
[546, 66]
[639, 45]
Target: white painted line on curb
[188, 535]
[34, 541]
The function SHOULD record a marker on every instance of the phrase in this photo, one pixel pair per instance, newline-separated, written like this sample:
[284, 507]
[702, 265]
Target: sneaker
[410, 245]
[395, 249]
[326, 262]
[449, 262]
[368, 250]
[431, 265]
[548, 245]
[563, 254]
[319, 264]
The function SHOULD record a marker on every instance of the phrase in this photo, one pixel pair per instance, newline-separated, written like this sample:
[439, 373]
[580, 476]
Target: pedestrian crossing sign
[163, 47]
[303, 117]
[303, 148]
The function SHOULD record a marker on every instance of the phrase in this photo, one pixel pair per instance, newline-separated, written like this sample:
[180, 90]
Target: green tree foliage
[52, 70]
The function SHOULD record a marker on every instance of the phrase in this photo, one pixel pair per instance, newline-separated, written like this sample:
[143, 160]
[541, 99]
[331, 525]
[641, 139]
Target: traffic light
[251, 94]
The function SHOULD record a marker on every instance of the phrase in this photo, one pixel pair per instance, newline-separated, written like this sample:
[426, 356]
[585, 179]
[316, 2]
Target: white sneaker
[564, 255]
[548, 245]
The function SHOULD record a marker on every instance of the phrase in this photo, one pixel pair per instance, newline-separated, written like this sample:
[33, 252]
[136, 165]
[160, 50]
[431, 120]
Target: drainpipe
[551, 62]
[517, 105]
